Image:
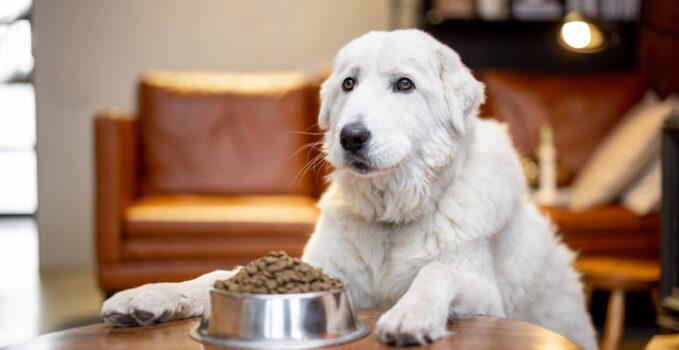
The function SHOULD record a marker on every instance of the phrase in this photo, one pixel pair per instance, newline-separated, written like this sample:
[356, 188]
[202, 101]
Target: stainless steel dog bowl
[280, 321]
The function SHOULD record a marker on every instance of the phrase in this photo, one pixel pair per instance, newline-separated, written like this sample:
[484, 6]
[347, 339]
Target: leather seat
[156, 215]
[608, 231]
[190, 226]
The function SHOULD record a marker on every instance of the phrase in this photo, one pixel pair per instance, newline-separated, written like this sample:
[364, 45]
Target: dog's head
[394, 96]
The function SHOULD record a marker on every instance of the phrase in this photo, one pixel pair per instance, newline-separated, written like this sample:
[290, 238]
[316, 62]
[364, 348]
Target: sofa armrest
[116, 148]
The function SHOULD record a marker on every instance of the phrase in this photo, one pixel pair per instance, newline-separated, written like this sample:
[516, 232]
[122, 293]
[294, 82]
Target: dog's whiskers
[307, 133]
[310, 145]
[310, 165]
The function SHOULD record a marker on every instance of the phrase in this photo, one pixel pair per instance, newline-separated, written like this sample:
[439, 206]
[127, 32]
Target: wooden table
[481, 332]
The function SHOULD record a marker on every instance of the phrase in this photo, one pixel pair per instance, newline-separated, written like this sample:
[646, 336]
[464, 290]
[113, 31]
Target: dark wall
[533, 46]
[659, 45]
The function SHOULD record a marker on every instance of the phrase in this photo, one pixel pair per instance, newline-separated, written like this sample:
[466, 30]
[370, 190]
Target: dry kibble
[308, 276]
[251, 269]
[279, 265]
[278, 273]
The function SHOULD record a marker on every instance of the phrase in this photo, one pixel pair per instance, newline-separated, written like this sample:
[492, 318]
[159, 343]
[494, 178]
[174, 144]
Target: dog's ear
[327, 95]
[463, 93]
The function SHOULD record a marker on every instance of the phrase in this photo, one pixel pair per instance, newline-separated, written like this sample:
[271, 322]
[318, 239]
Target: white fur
[439, 227]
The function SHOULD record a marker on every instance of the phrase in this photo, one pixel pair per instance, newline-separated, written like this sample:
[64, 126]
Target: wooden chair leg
[659, 312]
[615, 320]
[655, 299]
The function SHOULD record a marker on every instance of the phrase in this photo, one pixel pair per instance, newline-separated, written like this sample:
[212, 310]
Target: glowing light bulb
[576, 34]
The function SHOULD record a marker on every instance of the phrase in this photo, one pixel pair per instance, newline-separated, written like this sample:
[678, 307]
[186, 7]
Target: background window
[18, 182]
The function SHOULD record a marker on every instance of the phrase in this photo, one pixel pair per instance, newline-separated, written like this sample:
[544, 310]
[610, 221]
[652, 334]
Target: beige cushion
[623, 154]
[645, 193]
[194, 208]
[222, 215]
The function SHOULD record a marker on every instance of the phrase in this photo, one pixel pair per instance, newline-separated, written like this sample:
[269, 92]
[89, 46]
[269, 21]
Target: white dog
[427, 213]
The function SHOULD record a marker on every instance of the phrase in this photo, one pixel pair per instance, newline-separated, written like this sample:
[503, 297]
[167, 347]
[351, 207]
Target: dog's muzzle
[354, 138]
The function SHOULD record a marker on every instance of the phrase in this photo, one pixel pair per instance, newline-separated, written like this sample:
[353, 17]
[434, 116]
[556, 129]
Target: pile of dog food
[279, 273]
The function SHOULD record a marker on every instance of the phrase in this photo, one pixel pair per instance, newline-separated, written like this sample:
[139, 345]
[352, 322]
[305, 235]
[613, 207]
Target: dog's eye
[404, 84]
[348, 84]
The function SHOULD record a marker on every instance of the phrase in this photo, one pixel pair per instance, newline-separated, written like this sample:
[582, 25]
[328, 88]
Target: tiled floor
[33, 304]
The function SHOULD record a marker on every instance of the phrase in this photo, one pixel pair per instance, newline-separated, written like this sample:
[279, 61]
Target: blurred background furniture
[618, 250]
[582, 109]
[669, 226]
[660, 50]
[618, 277]
[211, 173]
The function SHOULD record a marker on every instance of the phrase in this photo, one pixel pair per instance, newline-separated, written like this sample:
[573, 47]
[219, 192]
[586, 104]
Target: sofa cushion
[623, 155]
[645, 193]
[242, 216]
[581, 108]
[221, 133]
[609, 230]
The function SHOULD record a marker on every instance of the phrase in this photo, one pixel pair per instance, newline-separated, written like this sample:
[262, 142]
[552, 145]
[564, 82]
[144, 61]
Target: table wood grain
[480, 332]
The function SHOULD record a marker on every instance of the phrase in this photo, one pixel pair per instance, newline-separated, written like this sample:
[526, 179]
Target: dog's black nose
[354, 136]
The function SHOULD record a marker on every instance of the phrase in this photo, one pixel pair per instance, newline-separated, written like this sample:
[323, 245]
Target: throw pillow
[645, 193]
[623, 154]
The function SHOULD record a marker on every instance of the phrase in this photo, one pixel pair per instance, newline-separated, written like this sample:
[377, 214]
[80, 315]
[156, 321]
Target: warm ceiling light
[578, 35]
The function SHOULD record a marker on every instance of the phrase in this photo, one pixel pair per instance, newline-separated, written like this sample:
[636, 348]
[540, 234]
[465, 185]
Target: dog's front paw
[412, 324]
[148, 304]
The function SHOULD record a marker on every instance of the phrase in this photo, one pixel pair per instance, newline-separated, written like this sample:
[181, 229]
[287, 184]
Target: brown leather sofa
[206, 176]
[209, 174]
[582, 109]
